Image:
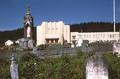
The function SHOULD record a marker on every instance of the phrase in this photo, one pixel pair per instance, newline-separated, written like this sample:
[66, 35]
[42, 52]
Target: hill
[94, 27]
[11, 35]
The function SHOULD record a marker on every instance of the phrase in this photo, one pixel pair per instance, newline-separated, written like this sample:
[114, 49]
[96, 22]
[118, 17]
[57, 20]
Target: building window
[110, 36]
[73, 37]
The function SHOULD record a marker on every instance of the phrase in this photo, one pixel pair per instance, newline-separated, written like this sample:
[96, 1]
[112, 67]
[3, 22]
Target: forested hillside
[94, 27]
[11, 35]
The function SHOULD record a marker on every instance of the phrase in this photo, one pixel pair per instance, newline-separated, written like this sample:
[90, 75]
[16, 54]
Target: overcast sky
[69, 11]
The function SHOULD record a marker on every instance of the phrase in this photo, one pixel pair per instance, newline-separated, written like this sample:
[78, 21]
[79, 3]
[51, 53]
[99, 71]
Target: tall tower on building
[28, 24]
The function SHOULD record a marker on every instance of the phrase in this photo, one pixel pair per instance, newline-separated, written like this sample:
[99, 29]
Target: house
[9, 43]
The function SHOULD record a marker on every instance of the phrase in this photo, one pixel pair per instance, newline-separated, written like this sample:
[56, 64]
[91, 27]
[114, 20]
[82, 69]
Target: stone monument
[116, 47]
[96, 68]
[14, 68]
[28, 31]
[28, 24]
[28, 41]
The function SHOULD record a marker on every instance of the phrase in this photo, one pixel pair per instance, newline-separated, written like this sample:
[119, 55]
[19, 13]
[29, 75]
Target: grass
[64, 67]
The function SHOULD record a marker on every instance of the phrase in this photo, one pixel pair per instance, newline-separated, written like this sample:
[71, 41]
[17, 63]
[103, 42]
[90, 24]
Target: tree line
[94, 27]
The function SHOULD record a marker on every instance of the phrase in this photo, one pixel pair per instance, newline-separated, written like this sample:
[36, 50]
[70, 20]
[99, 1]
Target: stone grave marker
[96, 68]
[14, 68]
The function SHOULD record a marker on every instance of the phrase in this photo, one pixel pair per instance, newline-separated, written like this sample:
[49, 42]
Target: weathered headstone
[35, 51]
[116, 48]
[14, 69]
[26, 43]
[30, 44]
[23, 43]
[96, 68]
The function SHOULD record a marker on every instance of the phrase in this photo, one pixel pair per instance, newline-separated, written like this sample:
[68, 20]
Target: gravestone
[26, 43]
[30, 44]
[96, 68]
[14, 69]
[35, 50]
[23, 43]
[116, 48]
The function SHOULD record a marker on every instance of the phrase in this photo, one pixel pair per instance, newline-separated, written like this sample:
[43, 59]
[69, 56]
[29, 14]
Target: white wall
[95, 36]
[53, 30]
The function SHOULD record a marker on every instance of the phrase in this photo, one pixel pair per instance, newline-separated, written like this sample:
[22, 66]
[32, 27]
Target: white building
[77, 38]
[8, 43]
[58, 32]
[53, 32]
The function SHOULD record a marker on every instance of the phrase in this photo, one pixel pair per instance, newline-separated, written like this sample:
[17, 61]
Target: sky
[12, 12]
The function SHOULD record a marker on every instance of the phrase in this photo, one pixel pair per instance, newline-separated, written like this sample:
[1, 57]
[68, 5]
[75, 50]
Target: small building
[9, 43]
[53, 33]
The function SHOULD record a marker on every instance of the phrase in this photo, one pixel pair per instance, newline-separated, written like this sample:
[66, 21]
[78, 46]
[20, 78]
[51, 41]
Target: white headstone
[14, 69]
[116, 47]
[96, 68]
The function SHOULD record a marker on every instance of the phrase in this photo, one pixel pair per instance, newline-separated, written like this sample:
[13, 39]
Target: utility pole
[114, 15]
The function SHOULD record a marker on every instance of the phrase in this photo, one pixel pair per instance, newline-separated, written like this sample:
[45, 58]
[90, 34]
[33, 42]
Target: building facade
[52, 33]
[77, 38]
[58, 32]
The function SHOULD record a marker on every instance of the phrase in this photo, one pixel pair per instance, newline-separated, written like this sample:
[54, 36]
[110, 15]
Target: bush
[41, 47]
[101, 46]
[114, 63]
[55, 47]
[4, 69]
